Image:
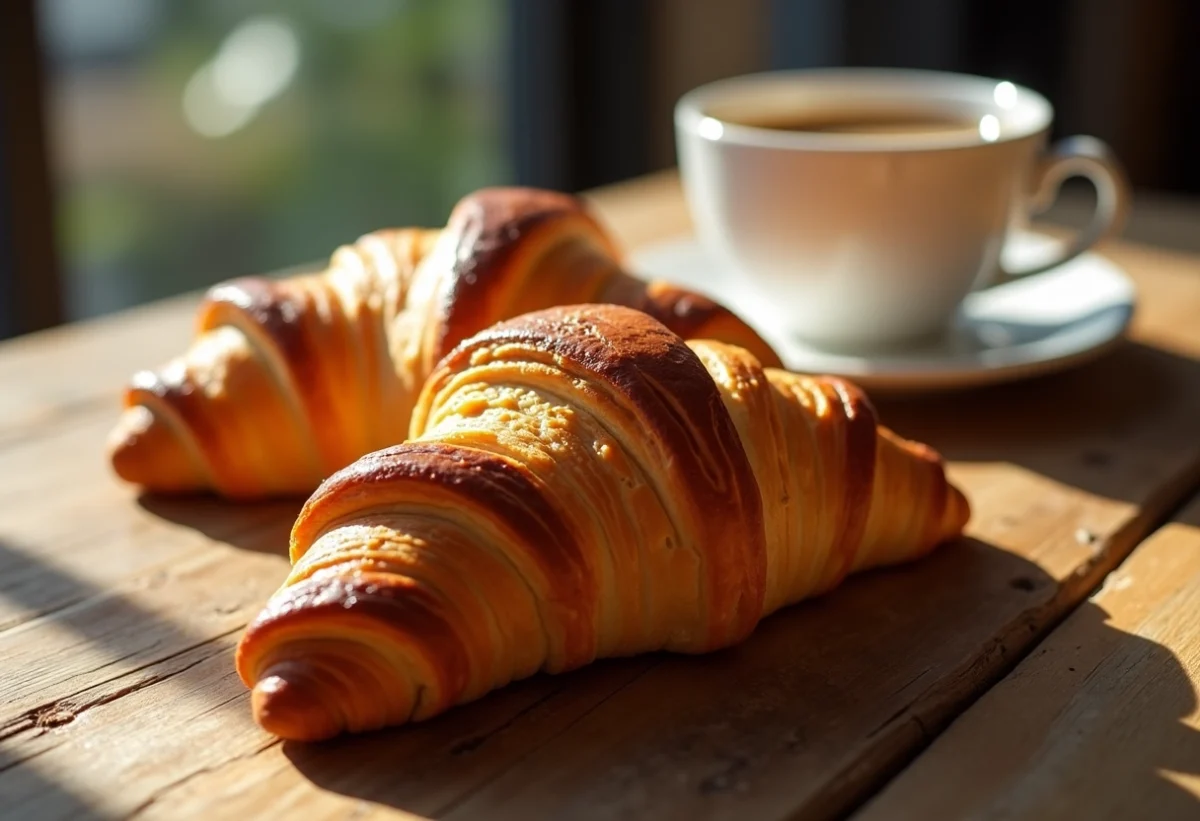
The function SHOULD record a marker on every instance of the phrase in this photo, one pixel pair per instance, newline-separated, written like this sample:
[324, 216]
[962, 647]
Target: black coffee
[864, 122]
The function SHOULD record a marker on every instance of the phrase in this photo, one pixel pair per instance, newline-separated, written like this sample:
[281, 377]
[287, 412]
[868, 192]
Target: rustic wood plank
[200, 721]
[69, 531]
[820, 706]
[172, 730]
[123, 629]
[1101, 721]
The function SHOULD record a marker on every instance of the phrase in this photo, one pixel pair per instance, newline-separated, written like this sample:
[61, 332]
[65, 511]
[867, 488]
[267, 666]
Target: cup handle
[1078, 157]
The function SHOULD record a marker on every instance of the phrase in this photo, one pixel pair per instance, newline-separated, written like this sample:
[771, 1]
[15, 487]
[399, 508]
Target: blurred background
[150, 147]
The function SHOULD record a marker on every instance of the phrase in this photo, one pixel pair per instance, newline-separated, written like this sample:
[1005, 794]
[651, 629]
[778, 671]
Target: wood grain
[1101, 721]
[118, 614]
[69, 532]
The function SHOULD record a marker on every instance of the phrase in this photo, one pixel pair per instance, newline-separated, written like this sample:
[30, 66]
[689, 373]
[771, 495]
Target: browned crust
[266, 304]
[491, 222]
[657, 373]
[190, 406]
[281, 314]
[489, 227]
[398, 603]
[695, 316]
[502, 487]
[684, 312]
[288, 320]
[481, 478]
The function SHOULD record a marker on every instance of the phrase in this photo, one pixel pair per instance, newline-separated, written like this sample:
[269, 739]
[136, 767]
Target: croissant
[580, 483]
[287, 381]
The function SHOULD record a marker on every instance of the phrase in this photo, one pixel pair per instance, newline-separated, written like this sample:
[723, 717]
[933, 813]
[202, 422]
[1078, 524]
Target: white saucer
[1043, 323]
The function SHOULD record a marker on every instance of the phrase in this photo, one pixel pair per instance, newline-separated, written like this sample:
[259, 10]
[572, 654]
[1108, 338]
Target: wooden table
[1047, 666]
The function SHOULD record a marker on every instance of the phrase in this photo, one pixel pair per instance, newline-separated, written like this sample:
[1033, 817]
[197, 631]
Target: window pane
[196, 140]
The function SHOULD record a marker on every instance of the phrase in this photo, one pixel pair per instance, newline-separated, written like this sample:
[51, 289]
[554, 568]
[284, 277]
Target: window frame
[30, 283]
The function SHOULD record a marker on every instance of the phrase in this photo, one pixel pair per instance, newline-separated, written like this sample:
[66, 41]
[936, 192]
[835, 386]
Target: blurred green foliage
[395, 110]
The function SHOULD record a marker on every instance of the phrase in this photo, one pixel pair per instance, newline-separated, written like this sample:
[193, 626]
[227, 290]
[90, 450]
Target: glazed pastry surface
[580, 483]
[289, 380]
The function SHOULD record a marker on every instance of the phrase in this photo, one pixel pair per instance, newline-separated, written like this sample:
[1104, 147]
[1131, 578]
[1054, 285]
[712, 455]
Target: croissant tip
[287, 702]
[144, 451]
[124, 442]
[958, 511]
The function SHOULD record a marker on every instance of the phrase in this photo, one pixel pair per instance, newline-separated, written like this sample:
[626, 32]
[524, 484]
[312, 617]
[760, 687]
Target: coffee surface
[864, 122]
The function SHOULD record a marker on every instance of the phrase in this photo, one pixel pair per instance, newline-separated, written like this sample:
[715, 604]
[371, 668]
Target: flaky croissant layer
[580, 483]
[290, 380]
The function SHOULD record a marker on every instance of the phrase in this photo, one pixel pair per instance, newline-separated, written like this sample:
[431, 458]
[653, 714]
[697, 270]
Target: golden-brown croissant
[287, 381]
[580, 483]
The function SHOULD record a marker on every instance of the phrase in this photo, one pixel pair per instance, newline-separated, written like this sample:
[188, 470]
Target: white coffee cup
[875, 238]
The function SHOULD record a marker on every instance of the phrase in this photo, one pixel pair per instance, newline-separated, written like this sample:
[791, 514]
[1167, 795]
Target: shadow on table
[1091, 724]
[97, 616]
[788, 720]
[1112, 427]
[263, 527]
[16, 784]
[1112, 750]
[815, 710]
